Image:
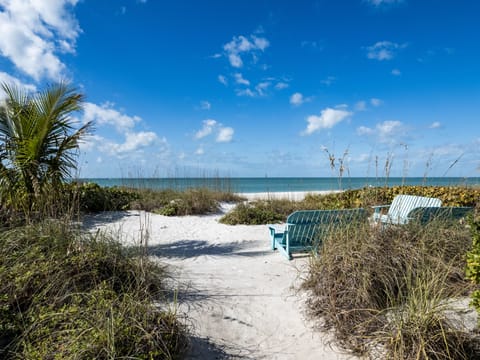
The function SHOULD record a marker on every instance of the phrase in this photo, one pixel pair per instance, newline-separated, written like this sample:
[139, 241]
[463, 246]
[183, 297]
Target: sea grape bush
[94, 198]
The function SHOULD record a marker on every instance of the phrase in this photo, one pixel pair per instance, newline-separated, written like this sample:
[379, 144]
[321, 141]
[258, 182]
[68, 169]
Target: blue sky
[259, 87]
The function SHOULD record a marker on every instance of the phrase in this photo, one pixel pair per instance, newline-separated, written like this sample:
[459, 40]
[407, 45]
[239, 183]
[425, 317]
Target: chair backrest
[403, 204]
[311, 225]
[447, 213]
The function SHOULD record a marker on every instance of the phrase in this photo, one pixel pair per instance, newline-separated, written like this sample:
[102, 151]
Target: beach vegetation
[92, 197]
[193, 201]
[279, 209]
[392, 292]
[70, 295]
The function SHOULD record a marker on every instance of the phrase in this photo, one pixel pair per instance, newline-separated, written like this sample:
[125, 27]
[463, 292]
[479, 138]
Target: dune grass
[81, 296]
[195, 201]
[384, 292]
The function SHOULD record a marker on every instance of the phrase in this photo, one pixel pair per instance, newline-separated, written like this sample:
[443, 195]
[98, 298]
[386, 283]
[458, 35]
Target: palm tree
[38, 138]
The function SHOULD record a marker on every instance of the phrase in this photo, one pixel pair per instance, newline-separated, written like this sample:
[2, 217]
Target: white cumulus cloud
[328, 118]
[206, 130]
[210, 126]
[296, 99]
[34, 32]
[105, 114]
[225, 134]
[133, 142]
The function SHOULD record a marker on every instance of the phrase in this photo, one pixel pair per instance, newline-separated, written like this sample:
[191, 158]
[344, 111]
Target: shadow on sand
[90, 221]
[203, 348]
[193, 248]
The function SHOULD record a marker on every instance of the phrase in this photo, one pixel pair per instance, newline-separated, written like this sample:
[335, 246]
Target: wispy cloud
[240, 80]
[328, 81]
[241, 45]
[262, 88]
[281, 85]
[384, 50]
[387, 132]
[314, 45]
[35, 32]
[435, 125]
[222, 79]
[396, 72]
[362, 105]
[205, 105]
[384, 2]
[246, 92]
[328, 119]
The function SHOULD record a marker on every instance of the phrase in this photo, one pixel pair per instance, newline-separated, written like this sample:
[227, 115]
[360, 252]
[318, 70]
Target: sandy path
[239, 295]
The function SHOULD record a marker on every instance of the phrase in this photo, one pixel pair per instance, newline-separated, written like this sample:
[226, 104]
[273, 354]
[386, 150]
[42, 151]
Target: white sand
[241, 298]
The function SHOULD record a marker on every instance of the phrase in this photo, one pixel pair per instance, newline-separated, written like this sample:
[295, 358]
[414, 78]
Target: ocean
[279, 184]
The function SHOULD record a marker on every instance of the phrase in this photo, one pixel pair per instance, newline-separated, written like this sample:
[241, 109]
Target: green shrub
[93, 198]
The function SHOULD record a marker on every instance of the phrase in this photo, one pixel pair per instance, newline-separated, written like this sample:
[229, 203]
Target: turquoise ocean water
[280, 184]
